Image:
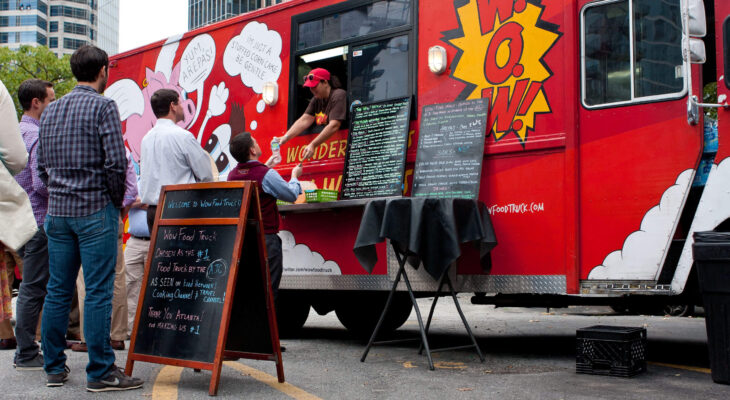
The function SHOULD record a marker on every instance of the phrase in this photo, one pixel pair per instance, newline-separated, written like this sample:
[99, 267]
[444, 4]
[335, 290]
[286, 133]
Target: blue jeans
[90, 240]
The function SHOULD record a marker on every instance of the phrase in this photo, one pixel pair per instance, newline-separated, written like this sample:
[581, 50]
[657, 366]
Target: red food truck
[599, 161]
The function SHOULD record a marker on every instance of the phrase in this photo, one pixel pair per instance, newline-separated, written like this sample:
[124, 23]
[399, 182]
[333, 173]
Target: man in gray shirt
[170, 154]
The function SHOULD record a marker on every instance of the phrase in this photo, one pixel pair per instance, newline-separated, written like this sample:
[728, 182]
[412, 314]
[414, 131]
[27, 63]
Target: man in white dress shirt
[170, 154]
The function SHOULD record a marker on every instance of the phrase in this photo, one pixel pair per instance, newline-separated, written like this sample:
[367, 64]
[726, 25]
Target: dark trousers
[151, 211]
[31, 294]
[276, 265]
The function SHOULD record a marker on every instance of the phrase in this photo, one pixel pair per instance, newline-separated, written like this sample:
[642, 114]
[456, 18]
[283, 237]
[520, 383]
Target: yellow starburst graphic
[505, 63]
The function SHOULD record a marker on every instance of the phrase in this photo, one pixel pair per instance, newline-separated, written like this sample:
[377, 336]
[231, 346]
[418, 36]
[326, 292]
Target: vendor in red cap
[328, 108]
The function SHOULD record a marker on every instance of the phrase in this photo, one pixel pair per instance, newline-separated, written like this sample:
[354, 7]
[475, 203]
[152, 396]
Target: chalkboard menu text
[203, 203]
[450, 150]
[376, 149]
[186, 289]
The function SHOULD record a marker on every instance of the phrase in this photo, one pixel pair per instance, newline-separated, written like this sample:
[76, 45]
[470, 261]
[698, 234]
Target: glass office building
[62, 25]
[205, 12]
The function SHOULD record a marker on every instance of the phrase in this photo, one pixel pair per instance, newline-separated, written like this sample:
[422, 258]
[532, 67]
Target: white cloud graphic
[254, 54]
[643, 250]
[300, 260]
[712, 210]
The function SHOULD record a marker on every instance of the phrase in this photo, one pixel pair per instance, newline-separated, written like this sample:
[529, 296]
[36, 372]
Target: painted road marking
[287, 389]
[165, 387]
[688, 368]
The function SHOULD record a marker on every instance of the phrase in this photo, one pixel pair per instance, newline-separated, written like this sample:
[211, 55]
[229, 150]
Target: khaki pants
[119, 301]
[135, 256]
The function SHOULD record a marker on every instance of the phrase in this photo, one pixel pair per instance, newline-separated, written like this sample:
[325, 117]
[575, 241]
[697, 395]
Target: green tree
[30, 62]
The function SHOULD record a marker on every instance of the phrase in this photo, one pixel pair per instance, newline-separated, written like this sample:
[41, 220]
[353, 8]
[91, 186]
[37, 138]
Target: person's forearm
[297, 128]
[326, 133]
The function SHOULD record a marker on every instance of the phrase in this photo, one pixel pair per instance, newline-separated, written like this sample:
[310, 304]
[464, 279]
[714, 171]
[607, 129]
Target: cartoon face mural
[139, 124]
[500, 56]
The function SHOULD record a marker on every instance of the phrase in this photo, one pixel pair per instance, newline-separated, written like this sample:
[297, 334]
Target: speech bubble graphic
[255, 55]
[128, 96]
[196, 64]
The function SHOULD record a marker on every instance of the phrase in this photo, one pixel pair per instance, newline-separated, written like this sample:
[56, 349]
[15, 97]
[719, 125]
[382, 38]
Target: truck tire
[291, 313]
[360, 313]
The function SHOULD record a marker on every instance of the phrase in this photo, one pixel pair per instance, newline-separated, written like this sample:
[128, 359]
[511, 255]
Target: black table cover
[429, 230]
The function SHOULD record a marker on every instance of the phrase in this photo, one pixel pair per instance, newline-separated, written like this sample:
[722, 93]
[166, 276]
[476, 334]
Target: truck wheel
[359, 314]
[291, 313]
[678, 310]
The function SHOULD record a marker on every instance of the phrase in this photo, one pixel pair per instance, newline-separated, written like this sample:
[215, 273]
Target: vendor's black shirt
[332, 109]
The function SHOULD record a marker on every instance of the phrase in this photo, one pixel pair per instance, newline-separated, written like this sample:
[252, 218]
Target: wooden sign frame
[249, 217]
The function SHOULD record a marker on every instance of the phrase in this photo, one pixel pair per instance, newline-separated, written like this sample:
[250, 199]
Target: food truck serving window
[631, 52]
[368, 46]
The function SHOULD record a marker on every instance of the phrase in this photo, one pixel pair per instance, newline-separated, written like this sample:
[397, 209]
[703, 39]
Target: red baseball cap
[316, 75]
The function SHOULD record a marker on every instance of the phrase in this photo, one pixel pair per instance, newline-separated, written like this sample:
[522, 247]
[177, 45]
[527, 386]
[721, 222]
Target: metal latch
[693, 106]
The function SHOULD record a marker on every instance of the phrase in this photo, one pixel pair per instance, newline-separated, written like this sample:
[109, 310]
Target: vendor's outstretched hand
[309, 151]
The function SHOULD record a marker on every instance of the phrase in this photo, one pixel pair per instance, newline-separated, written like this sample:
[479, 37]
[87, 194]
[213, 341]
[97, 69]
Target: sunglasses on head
[310, 77]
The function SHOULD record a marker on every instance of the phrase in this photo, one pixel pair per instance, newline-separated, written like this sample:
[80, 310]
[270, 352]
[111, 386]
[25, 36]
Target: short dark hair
[87, 61]
[161, 100]
[240, 146]
[32, 89]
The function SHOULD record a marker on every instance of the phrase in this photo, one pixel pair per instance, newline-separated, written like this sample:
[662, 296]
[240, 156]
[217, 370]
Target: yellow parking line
[688, 368]
[165, 386]
[287, 389]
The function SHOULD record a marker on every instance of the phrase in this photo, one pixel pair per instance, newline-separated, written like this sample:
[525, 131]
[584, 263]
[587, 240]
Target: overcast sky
[145, 21]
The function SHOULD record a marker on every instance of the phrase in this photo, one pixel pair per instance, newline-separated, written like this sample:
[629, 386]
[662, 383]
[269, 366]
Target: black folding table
[429, 231]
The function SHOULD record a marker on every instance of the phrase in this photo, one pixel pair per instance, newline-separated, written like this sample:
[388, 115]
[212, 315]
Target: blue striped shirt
[81, 156]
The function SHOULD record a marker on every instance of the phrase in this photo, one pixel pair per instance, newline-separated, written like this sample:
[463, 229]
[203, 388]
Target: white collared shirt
[170, 156]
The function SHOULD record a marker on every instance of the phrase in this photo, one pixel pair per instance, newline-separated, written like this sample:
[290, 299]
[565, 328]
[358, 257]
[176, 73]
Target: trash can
[712, 257]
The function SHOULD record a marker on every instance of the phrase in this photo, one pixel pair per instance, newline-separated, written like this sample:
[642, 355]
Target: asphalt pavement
[530, 354]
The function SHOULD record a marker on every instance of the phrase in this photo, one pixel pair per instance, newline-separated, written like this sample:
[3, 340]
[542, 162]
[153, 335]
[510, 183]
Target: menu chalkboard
[450, 150]
[186, 289]
[206, 264]
[376, 149]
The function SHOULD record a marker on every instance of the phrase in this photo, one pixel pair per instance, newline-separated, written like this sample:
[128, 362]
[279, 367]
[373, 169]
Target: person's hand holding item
[272, 161]
[296, 172]
[309, 151]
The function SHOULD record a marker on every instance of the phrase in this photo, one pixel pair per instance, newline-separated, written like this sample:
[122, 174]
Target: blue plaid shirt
[81, 156]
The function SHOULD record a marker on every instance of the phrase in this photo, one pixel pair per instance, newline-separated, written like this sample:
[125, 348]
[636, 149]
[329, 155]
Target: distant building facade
[62, 25]
[108, 26]
[205, 12]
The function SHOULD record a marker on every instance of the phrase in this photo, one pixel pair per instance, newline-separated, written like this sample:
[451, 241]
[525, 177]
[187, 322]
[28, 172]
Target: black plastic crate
[610, 350]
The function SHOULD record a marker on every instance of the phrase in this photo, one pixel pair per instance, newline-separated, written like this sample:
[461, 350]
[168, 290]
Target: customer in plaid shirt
[81, 159]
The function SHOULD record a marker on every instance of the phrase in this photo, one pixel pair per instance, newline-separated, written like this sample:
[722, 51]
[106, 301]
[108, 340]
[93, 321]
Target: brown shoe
[80, 347]
[117, 344]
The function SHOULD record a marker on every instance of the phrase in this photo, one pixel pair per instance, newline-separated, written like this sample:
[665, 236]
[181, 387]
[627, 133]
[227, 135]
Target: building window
[68, 11]
[53, 42]
[368, 47]
[73, 44]
[53, 26]
[632, 52]
[76, 29]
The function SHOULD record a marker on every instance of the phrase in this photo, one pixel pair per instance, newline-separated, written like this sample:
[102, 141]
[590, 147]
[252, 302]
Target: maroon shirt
[255, 171]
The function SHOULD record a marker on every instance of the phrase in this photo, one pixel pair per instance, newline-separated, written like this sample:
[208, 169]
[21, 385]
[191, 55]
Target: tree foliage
[30, 62]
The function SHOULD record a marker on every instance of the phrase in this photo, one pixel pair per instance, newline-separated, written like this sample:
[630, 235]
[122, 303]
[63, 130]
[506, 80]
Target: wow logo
[501, 45]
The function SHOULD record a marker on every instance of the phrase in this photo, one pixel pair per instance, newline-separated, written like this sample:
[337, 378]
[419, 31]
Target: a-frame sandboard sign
[207, 291]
